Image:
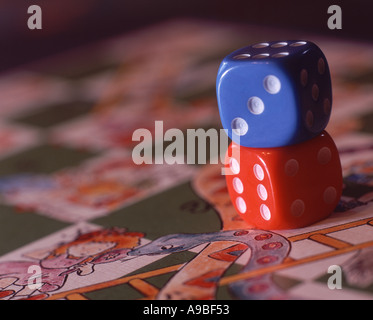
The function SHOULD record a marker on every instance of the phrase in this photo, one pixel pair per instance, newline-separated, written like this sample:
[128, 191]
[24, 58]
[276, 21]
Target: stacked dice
[282, 168]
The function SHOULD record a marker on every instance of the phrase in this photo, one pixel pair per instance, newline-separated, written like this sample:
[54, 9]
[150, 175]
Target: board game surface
[76, 207]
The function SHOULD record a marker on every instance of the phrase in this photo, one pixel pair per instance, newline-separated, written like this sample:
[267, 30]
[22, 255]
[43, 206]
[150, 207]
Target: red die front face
[286, 187]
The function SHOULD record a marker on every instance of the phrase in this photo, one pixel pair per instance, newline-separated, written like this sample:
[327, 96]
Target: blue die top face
[274, 94]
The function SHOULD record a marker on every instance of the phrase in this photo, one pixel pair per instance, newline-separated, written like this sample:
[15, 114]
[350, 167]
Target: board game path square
[51, 115]
[360, 77]
[75, 67]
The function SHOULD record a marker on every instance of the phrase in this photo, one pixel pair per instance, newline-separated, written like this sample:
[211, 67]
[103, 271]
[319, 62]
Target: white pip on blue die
[274, 94]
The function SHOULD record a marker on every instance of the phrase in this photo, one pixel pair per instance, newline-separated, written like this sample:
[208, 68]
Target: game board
[98, 226]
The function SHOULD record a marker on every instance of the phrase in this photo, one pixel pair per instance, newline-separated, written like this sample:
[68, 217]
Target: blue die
[274, 94]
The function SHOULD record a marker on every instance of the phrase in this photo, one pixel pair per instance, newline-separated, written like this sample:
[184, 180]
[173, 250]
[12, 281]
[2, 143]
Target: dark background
[71, 23]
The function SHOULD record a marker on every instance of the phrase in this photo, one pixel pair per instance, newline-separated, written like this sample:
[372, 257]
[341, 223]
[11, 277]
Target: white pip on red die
[284, 188]
[273, 94]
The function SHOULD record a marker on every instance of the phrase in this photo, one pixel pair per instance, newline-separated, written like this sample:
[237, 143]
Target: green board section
[177, 210]
[43, 159]
[21, 228]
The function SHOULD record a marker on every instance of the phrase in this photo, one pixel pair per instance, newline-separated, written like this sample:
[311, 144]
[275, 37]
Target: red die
[285, 187]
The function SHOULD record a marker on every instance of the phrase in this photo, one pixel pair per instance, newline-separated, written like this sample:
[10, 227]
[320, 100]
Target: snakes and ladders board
[75, 207]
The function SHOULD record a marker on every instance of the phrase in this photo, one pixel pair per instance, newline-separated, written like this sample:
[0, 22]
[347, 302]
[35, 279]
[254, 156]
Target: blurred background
[71, 23]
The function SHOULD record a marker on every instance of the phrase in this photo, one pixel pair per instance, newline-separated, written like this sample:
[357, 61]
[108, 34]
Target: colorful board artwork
[97, 226]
